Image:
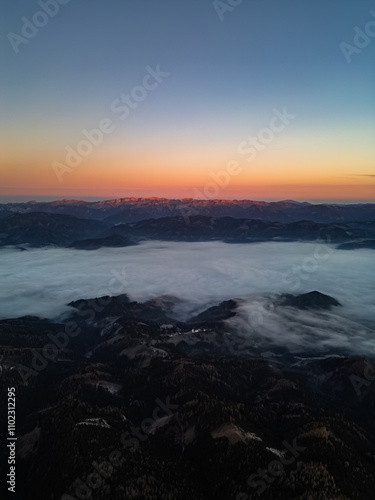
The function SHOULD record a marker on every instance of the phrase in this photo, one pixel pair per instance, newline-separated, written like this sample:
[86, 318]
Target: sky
[42, 281]
[259, 99]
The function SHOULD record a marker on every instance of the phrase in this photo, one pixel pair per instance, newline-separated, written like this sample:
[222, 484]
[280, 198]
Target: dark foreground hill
[134, 404]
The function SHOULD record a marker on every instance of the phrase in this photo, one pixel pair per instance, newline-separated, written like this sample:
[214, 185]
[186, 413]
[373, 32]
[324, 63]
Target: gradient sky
[226, 78]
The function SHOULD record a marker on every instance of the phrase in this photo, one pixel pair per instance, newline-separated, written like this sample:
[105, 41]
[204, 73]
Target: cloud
[361, 175]
[42, 281]
[261, 324]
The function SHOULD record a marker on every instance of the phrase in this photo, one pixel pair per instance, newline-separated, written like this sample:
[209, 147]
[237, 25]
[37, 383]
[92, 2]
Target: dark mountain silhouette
[311, 300]
[200, 418]
[224, 310]
[126, 210]
[93, 244]
[40, 229]
[201, 228]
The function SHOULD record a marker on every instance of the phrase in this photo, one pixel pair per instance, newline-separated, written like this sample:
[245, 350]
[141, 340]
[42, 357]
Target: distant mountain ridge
[39, 229]
[124, 210]
[232, 230]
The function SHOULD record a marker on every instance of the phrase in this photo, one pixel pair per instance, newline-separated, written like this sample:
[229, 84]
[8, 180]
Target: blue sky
[225, 78]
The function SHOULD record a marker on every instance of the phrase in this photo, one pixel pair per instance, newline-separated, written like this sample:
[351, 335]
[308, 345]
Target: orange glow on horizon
[274, 174]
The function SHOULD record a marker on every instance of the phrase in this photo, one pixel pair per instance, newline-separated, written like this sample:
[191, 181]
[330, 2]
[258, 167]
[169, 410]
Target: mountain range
[124, 210]
[95, 384]
[38, 229]
[252, 396]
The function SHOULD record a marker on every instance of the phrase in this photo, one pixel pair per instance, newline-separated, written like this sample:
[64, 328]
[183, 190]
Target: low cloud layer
[42, 281]
[263, 324]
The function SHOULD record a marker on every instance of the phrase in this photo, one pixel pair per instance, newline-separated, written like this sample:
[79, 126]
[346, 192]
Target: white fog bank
[42, 281]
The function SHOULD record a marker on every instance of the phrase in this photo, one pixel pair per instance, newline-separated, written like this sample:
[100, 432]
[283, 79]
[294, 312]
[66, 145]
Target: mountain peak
[310, 300]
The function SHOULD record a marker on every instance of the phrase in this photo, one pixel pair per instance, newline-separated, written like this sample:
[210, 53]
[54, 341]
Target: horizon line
[96, 199]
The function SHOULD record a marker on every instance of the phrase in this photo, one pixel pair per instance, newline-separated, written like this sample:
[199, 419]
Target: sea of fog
[43, 281]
